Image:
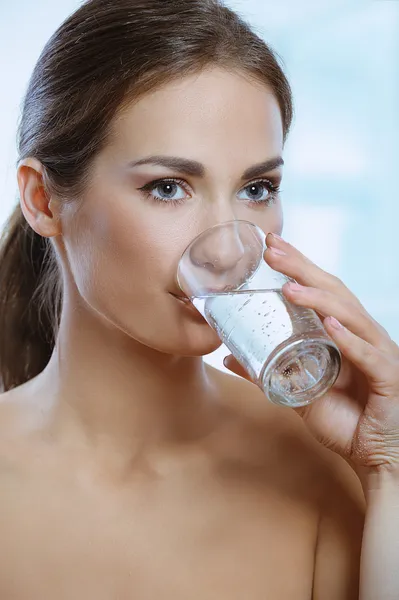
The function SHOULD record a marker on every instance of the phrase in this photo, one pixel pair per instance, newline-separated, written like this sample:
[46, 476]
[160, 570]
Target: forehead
[214, 109]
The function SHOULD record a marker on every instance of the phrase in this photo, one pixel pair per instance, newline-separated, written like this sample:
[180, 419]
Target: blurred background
[342, 158]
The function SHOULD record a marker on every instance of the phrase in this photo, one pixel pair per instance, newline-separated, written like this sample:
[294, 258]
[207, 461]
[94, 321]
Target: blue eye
[261, 191]
[167, 191]
[164, 191]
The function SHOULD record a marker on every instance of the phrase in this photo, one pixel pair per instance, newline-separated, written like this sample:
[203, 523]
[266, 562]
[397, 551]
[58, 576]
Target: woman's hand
[359, 416]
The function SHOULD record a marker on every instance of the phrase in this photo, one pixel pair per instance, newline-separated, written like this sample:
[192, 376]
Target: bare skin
[232, 513]
[129, 468]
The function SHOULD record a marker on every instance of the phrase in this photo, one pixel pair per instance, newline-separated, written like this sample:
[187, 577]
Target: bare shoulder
[279, 436]
[315, 478]
[17, 409]
[20, 420]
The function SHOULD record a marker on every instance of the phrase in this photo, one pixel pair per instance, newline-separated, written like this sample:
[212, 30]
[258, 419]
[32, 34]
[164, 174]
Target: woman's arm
[379, 575]
[344, 546]
[340, 532]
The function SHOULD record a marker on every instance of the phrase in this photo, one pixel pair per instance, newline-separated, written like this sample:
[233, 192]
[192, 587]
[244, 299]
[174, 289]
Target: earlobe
[34, 199]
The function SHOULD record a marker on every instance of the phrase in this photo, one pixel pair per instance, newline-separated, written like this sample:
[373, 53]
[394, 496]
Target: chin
[176, 337]
[193, 340]
[196, 349]
[188, 339]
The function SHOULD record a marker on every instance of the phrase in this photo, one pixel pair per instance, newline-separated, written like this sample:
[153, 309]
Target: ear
[36, 205]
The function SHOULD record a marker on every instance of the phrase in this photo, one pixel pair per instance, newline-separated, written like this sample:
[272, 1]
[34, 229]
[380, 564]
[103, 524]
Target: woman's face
[124, 242]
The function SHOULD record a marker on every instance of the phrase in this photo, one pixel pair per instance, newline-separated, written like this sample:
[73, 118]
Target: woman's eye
[168, 191]
[165, 191]
[259, 191]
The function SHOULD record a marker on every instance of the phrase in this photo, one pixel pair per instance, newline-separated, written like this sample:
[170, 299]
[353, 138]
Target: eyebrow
[197, 169]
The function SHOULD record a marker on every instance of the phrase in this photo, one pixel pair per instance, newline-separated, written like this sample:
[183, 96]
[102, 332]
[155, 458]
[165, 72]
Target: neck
[112, 391]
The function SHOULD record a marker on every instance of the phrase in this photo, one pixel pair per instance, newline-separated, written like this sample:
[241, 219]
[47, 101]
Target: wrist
[379, 480]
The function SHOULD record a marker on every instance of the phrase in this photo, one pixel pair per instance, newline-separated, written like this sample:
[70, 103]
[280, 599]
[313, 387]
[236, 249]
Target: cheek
[123, 252]
[267, 218]
[271, 219]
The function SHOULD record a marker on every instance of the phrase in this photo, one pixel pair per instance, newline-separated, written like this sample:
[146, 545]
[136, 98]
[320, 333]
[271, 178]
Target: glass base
[301, 372]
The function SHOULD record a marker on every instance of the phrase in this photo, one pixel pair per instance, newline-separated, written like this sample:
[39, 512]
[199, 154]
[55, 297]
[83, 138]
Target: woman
[129, 467]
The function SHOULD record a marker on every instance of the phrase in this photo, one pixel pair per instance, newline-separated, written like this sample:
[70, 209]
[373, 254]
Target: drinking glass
[284, 348]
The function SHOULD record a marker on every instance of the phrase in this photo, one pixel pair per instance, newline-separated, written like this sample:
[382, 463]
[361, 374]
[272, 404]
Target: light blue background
[342, 158]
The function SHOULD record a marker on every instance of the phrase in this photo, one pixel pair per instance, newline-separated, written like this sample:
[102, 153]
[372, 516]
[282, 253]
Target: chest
[162, 543]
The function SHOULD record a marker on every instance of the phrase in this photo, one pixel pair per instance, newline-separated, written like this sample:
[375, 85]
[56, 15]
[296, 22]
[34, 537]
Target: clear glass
[284, 348]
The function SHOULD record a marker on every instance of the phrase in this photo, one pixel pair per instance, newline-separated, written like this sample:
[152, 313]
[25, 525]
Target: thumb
[233, 365]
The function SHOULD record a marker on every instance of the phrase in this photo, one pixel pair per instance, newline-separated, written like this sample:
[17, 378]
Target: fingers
[378, 367]
[233, 365]
[294, 264]
[327, 303]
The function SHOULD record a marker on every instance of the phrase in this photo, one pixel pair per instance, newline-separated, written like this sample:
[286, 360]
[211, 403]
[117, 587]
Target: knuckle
[390, 375]
[380, 328]
[339, 287]
[336, 281]
[369, 353]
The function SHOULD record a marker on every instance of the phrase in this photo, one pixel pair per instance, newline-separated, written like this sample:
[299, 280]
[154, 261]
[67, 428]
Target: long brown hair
[103, 56]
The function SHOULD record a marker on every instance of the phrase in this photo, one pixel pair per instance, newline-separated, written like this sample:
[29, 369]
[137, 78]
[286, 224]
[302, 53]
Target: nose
[222, 251]
[221, 259]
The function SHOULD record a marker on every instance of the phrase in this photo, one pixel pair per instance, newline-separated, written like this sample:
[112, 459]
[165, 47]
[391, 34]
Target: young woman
[130, 469]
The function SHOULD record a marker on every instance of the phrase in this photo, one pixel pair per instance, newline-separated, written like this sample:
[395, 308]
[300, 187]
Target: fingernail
[334, 323]
[278, 237]
[277, 251]
[295, 287]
